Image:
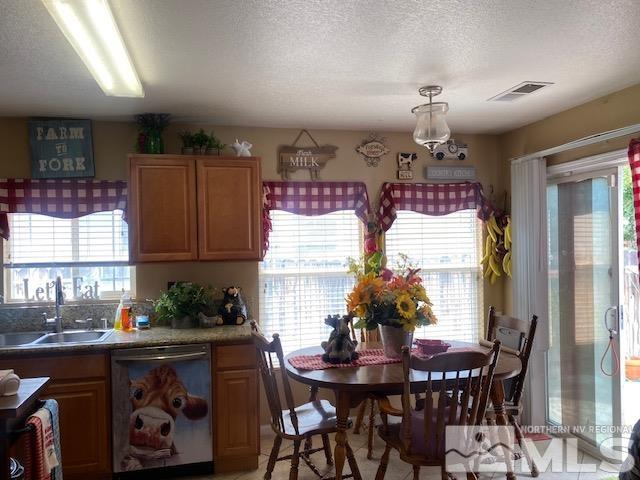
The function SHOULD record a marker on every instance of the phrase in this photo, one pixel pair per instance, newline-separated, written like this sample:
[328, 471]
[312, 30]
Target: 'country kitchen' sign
[60, 148]
[292, 157]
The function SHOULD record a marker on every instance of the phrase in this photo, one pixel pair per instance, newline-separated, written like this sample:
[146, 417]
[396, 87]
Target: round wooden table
[352, 385]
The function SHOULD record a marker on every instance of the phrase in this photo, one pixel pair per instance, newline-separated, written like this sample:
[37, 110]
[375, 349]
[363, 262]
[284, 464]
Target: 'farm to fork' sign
[60, 148]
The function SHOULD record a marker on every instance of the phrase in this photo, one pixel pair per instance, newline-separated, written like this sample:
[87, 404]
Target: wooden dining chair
[517, 337]
[461, 400]
[296, 423]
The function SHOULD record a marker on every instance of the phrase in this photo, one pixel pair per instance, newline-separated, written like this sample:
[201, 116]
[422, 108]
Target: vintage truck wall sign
[60, 148]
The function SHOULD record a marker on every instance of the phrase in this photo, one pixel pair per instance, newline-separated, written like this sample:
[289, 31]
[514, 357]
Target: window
[90, 253]
[303, 276]
[447, 249]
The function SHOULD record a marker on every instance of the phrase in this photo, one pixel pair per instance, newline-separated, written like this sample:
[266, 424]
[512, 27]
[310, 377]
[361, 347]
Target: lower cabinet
[83, 415]
[237, 430]
[80, 385]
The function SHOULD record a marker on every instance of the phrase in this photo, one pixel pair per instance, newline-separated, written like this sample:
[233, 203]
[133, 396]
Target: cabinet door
[236, 393]
[162, 208]
[84, 427]
[229, 209]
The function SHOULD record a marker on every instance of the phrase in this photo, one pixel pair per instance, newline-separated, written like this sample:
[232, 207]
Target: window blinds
[303, 276]
[447, 249]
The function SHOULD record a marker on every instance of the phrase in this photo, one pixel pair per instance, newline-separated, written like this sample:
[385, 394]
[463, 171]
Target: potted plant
[200, 142]
[394, 300]
[187, 142]
[151, 126]
[214, 145]
[180, 305]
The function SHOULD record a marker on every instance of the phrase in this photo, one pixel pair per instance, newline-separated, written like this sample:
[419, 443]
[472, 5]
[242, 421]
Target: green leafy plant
[200, 139]
[187, 139]
[184, 299]
[215, 143]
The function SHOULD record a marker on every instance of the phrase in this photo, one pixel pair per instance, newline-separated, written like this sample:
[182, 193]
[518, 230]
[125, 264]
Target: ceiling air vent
[521, 90]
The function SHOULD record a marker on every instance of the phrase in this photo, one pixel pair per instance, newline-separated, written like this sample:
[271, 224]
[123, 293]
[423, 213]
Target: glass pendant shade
[431, 126]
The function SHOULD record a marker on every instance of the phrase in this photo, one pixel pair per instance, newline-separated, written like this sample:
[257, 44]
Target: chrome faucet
[57, 320]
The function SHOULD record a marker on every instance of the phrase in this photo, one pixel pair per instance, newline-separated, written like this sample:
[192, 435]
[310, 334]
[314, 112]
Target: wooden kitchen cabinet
[186, 207]
[237, 429]
[80, 385]
[229, 209]
[162, 208]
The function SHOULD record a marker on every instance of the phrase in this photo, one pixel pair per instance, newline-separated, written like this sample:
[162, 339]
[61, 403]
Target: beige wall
[114, 140]
[620, 109]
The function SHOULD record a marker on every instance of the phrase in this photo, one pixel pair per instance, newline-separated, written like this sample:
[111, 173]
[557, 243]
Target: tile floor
[398, 470]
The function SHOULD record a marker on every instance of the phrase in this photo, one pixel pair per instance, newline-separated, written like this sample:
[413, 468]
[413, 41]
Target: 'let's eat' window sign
[61, 148]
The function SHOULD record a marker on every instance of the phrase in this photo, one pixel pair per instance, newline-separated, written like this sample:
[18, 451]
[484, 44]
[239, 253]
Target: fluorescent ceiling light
[92, 31]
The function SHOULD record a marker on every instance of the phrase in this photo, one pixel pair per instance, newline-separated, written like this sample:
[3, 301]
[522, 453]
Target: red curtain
[312, 198]
[634, 163]
[59, 198]
[430, 199]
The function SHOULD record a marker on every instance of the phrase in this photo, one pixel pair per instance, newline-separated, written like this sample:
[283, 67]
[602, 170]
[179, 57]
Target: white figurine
[242, 149]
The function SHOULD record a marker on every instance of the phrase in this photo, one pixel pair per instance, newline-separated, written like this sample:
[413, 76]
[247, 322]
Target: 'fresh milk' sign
[61, 148]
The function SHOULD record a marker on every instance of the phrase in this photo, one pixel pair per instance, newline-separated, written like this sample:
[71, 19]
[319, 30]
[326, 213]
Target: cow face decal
[156, 400]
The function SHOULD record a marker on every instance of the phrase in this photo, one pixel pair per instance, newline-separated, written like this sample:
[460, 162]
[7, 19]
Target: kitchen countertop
[156, 336]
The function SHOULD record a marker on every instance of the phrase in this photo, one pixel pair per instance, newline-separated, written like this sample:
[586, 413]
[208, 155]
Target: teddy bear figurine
[233, 310]
[339, 348]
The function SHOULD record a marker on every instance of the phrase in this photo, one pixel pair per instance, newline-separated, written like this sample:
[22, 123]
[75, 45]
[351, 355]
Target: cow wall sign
[372, 149]
[60, 148]
[293, 157]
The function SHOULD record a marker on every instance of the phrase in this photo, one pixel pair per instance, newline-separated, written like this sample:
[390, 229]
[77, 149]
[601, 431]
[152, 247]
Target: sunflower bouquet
[385, 297]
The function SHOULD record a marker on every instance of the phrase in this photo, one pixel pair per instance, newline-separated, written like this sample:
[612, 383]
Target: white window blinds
[446, 248]
[90, 253]
[303, 276]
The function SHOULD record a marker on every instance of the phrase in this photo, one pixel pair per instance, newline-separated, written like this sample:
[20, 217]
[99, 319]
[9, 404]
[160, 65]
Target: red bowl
[431, 347]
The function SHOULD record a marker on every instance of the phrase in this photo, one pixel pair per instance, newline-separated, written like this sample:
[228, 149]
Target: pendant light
[431, 126]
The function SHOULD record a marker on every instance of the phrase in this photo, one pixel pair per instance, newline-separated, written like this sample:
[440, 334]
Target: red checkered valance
[429, 199]
[59, 198]
[313, 198]
[634, 163]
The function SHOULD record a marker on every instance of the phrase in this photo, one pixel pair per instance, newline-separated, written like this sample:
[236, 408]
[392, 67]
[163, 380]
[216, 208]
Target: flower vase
[154, 142]
[393, 339]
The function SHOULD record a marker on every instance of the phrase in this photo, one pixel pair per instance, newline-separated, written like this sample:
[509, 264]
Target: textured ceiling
[353, 64]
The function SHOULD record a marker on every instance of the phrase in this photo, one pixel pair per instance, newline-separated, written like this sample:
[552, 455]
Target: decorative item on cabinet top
[293, 158]
[150, 128]
[242, 149]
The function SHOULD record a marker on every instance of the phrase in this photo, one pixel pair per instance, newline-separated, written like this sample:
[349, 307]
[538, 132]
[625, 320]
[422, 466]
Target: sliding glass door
[583, 390]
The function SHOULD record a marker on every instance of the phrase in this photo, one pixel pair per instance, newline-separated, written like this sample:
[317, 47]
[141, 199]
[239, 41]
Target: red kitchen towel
[34, 452]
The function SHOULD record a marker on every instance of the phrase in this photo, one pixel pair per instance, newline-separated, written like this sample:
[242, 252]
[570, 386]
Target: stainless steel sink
[78, 336]
[19, 338]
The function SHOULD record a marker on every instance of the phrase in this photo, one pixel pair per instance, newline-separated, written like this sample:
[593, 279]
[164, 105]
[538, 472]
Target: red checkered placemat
[374, 356]
[367, 357]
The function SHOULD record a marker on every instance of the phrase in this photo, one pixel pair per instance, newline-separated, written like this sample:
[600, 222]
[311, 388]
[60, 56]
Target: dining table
[353, 384]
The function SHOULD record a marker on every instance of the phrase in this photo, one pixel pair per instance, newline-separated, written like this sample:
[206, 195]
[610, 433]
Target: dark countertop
[156, 336]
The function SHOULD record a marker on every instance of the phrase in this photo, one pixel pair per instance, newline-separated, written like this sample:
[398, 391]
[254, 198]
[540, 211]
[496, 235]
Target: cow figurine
[340, 348]
[156, 401]
[233, 310]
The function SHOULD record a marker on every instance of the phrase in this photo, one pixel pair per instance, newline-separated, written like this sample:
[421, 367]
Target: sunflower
[428, 314]
[363, 293]
[410, 324]
[406, 306]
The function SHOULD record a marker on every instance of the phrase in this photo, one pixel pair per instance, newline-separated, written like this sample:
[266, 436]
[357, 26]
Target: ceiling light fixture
[431, 126]
[92, 31]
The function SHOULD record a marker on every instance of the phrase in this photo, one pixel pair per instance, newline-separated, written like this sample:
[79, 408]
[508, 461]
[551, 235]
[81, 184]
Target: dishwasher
[161, 411]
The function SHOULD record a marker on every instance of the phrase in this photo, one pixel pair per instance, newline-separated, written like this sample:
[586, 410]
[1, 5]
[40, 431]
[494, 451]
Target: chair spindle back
[462, 396]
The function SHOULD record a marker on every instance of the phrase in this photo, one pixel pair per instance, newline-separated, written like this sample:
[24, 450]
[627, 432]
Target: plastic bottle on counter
[123, 313]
